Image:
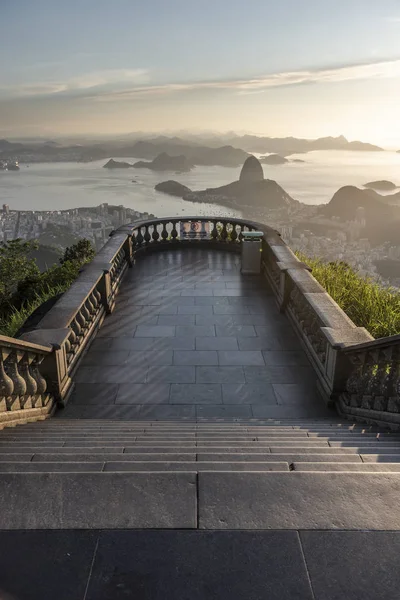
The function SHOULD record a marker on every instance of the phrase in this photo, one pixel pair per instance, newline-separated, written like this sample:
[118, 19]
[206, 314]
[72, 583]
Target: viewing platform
[191, 337]
[189, 431]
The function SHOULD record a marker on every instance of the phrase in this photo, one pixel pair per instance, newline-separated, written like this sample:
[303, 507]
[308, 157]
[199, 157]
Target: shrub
[366, 303]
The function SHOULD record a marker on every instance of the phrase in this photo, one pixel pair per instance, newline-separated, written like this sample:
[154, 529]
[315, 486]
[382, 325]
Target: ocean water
[52, 186]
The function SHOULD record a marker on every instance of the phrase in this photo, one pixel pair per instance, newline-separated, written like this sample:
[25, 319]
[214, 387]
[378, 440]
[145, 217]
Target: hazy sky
[275, 67]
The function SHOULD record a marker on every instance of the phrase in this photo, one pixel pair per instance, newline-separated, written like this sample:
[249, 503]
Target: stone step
[299, 501]
[98, 500]
[182, 448]
[287, 457]
[355, 467]
[136, 466]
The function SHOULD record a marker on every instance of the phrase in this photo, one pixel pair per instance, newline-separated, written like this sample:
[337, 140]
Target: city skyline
[297, 68]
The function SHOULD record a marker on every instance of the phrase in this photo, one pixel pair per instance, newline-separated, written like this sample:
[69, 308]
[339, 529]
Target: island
[114, 164]
[382, 186]
[251, 190]
[165, 162]
[273, 159]
[173, 188]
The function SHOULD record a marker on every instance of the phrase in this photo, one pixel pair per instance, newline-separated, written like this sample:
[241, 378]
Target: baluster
[234, 234]
[352, 383]
[41, 384]
[91, 307]
[6, 383]
[139, 237]
[18, 381]
[133, 240]
[214, 232]
[241, 232]
[155, 235]
[28, 400]
[174, 232]
[224, 233]
[147, 236]
[164, 233]
[86, 314]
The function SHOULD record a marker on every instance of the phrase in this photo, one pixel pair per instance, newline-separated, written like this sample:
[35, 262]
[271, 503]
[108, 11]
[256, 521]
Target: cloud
[376, 70]
[101, 81]
[393, 19]
[128, 84]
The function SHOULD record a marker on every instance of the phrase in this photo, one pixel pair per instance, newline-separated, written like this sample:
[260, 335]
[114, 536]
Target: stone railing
[158, 233]
[24, 393]
[339, 351]
[72, 323]
[371, 381]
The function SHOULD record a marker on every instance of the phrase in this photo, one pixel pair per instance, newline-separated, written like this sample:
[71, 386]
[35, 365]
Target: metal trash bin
[251, 252]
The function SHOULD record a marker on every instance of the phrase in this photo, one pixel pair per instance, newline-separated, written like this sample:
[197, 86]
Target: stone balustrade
[341, 353]
[23, 389]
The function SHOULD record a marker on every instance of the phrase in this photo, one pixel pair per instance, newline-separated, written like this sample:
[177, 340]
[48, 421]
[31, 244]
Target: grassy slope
[365, 302]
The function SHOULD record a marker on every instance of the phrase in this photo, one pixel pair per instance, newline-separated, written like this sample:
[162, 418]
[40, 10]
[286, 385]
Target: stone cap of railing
[39, 346]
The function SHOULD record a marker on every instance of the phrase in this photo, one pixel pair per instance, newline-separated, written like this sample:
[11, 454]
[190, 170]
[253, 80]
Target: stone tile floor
[199, 565]
[192, 337]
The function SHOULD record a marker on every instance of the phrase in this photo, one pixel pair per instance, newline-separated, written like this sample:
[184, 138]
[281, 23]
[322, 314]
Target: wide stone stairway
[195, 460]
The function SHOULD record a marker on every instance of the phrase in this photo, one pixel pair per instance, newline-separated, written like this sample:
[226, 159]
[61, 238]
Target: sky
[307, 68]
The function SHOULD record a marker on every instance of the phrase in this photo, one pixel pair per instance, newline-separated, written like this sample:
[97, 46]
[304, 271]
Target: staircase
[212, 475]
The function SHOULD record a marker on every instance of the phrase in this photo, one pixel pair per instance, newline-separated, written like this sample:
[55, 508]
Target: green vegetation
[364, 301]
[23, 288]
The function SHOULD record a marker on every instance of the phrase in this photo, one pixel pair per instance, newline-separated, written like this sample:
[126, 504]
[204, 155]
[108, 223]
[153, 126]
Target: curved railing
[170, 231]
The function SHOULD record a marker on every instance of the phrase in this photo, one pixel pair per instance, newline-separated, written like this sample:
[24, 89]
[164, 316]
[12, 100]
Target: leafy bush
[364, 301]
[24, 288]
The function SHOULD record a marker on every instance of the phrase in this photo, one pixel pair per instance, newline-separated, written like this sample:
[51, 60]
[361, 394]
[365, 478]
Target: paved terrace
[191, 337]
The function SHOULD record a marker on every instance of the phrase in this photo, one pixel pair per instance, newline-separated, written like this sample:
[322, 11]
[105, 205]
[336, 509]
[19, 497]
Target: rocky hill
[165, 162]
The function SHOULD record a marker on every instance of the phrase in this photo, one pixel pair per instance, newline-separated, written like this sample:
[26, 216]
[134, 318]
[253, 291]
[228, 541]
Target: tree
[80, 253]
[16, 266]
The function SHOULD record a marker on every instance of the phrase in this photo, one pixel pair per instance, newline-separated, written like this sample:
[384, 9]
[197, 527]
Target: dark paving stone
[195, 331]
[196, 293]
[167, 412]
[155, 356]
[353, 564]
[104, 358]
[176, 320]
[254, 319]
[198, 393]
[219, 375]
[121, 374]
[174, 374]
[235, 331]
[240, 357]
[231, 310]
[214, 320]
[212, 566]
[271, 342]
[155, 331]
[278, 358]
[248, 393]
[223, 411]
[156, 344]
[195, 310]
[195, 357]
[95, 501]
[26, 556]
[94, 393]
[216, 343]
[143, 393]
[283, 375]
[295, 394]
[299, 501]
[211, 301]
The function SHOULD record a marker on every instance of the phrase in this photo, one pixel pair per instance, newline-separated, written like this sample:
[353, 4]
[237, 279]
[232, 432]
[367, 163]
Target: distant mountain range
[214, 150]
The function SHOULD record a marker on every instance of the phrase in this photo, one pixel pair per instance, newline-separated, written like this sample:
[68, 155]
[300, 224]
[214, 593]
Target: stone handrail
[72, 323]
[371, 381]
[24, 392]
